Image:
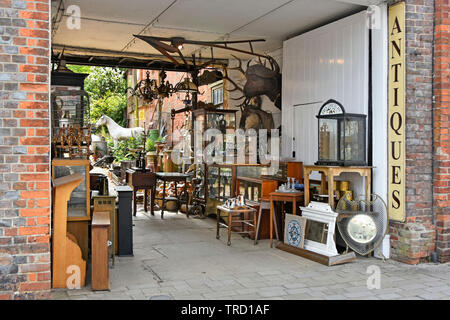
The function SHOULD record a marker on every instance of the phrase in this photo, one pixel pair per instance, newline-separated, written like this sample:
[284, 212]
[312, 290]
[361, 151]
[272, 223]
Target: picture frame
[294, 230]
[79, 206]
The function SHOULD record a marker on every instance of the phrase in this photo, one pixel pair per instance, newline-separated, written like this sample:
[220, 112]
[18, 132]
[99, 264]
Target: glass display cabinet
[221, 119]
[256, 181]
[342, 136]
[221, 181]
[214, 177]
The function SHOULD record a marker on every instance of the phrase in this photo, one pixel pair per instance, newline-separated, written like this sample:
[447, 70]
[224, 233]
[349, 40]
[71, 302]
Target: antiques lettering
[396, 113]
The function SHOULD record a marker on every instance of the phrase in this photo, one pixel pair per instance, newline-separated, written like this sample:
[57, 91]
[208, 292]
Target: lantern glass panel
[352, 140]
[328, 139]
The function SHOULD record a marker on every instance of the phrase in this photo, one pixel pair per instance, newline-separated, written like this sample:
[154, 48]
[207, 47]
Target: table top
[171, 175]
[123, 188]
[338, 167]
[289, 194]
[226, 209]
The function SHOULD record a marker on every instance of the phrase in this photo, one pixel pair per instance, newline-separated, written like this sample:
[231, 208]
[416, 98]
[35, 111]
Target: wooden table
[169, 177]
[142, 180]
[230, 213]
[293, 197]
[334, 171]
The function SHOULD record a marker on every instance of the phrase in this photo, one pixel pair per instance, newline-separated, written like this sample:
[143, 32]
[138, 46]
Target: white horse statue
[116, 131]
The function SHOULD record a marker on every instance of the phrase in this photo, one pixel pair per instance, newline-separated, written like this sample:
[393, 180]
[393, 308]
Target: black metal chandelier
[148, 89]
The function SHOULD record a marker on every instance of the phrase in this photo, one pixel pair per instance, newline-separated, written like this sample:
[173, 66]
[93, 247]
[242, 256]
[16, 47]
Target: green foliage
[111, 104]
[150, 144]
[79, 69]
[107, 91]
[124, 147]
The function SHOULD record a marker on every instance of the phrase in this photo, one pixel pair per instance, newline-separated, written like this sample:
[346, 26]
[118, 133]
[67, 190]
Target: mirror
[361, 228]
[316, 231]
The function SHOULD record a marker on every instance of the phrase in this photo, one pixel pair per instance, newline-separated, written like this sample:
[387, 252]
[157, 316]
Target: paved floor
[180, 258]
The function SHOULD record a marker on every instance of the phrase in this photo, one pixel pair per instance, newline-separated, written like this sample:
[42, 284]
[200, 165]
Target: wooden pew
[67, 256]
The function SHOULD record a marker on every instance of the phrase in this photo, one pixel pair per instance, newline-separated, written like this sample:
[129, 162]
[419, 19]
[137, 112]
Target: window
[217, 96]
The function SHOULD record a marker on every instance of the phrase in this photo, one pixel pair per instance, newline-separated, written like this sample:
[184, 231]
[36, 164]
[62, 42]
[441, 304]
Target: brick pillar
[412, 241]
[442, 128]
[24, 149]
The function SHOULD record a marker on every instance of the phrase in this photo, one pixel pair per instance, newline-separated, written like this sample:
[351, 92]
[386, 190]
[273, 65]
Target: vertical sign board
[141, 114]
[396, 113]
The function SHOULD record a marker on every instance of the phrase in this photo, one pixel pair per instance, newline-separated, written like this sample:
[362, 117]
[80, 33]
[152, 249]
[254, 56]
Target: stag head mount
[260, 80]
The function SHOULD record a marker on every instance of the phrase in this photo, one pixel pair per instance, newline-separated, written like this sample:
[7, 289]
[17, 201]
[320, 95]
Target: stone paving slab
[181, 258]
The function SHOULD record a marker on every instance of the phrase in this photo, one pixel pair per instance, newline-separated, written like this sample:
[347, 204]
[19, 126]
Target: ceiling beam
[110, 58]
[94, 53]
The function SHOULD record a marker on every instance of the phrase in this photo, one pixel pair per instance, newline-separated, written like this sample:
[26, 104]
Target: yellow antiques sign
[141, 114]
[396, 113]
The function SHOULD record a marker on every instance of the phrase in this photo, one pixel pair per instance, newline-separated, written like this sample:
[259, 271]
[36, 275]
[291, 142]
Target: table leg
[306, 191]
[152, 200]
[218, 221]
[163, 199]
[271, 221]
[134, 201]
[230, 216]
[294, 207]
[145, 200]
[186, 194]
[323, 182]
[255, 219]
[368, 187]
[330, 190]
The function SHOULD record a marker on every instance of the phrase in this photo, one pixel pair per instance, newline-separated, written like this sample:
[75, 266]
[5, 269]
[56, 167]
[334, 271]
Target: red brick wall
[441, 180]
[24, 150]
[413, 241]
[173, 102]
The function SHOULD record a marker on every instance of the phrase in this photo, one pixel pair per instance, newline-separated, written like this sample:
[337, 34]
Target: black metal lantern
[342, 136]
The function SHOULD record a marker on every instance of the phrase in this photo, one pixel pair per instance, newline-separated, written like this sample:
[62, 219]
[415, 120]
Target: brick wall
[442, 128]
[24, 150]
[172, 102]
[419, 137]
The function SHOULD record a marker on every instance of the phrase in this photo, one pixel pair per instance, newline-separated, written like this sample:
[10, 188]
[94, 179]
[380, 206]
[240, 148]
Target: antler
[238, 68]
[236, 87]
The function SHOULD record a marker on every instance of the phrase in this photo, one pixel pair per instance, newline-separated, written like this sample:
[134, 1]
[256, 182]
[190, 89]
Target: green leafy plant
[124, 148]
[150, 144]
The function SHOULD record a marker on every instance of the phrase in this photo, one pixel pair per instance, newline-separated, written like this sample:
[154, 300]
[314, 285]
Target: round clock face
[331, 108]
[294, 233]
[361, 228]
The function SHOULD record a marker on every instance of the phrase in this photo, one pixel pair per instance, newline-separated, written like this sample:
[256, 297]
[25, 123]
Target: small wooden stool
[265, 205]
[230, 213]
